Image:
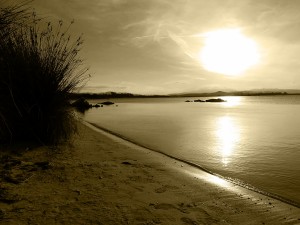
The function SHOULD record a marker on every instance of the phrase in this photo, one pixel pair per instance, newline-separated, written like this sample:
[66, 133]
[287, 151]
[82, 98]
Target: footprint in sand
[164, 206]
[161, 189]
[165, 188]
[187, 220]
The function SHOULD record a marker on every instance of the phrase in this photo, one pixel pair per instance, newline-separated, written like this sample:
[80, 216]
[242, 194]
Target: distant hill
[289, 91]
[107, 95]
[254, 92]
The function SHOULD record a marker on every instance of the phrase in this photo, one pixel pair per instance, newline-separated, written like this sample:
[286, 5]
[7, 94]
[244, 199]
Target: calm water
[250, 139]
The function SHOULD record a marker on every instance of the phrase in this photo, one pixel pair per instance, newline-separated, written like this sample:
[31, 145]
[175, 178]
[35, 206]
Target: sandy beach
[101, 179]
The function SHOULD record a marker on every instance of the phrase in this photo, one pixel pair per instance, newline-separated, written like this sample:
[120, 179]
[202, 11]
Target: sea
[253, 141]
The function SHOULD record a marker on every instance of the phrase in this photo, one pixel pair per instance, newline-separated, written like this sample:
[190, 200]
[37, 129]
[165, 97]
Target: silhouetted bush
[39, 68]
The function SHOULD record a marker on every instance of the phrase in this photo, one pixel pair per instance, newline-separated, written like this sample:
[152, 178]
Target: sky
[153, 46]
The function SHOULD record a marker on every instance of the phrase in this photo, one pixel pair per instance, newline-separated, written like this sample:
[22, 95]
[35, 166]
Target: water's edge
[229, 179]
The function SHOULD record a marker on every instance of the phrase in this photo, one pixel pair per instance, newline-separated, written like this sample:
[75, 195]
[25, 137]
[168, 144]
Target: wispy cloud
[149, 43]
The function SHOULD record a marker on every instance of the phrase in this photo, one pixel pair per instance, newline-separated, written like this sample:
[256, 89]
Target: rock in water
[107, 103]
[215, 100]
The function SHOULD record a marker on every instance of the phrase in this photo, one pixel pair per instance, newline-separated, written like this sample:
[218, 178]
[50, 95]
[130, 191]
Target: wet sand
[102, 179]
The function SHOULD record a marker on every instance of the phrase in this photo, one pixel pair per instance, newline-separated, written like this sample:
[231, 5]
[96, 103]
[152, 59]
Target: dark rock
[81, 105]
[199, 100]
[96, 106]
[107, 103]
[215, 100]
[188, 101]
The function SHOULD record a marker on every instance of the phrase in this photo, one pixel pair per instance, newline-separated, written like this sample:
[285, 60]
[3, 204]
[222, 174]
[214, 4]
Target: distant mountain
[254, 92]
[107, 95]
[289, 91]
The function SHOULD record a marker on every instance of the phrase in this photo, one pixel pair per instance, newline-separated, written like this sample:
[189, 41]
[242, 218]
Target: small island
[215, 100]
[208, 100]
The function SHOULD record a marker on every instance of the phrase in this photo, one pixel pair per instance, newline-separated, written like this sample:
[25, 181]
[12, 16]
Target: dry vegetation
[39, 68]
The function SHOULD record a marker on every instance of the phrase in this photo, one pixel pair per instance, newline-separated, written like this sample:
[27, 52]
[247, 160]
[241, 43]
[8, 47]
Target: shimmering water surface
[255, 140]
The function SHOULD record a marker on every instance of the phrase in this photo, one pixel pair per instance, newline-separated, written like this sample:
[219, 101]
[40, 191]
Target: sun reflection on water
[219, 181]
[228, 136]
[232, 100]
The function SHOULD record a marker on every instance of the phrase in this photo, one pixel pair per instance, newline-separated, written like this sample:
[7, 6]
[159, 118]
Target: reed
[39, 68]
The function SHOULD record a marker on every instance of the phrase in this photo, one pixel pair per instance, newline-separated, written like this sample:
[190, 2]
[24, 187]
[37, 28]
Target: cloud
[156, 43]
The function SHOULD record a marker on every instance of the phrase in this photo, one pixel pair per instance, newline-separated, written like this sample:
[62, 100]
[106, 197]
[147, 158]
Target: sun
[228, 52]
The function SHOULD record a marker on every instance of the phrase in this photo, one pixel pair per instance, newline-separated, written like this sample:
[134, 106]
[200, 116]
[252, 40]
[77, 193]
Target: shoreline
[99, 179]
[242, 184]
[205, 174]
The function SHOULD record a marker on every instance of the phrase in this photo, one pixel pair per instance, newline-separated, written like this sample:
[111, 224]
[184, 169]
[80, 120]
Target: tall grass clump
[13, 15]
[39, 68]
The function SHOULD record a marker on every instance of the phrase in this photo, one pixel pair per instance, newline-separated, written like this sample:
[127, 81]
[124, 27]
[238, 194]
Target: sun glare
[228, 51]
[228, 135]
